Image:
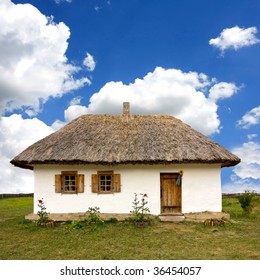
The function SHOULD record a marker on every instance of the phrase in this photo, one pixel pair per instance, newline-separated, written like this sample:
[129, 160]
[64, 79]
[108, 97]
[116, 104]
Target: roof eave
[30, 165]
[21, 164]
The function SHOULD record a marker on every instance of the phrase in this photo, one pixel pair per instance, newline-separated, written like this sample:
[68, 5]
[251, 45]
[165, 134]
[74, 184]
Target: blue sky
[195, 60]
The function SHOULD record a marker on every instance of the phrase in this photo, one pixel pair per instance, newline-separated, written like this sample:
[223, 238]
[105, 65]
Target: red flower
[145, 195]
[40, 201]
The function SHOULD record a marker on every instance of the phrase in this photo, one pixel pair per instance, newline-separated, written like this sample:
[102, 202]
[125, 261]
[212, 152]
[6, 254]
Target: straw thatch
[125, 139]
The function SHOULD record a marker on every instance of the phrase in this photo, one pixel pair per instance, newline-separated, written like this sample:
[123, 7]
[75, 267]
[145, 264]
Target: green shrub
[75, 225]
[245, 201]
[93, 215]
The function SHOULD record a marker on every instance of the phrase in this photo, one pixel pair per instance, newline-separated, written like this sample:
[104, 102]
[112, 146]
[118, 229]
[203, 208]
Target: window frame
[59, 182]
[69, 173]
[63, 181]
[115, 182]
[111, 180]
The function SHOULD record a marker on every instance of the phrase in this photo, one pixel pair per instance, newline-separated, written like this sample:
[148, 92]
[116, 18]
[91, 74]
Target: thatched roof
[125, 139]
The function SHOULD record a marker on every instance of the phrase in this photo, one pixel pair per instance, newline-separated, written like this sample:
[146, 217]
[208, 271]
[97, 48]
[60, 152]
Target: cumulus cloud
[167, 91]
[222, 90]
[33, 63]
[89, 62]
[251, 136]
[235, 38]
[246, 174]
[16, 134]
[57, 124]
[250, 160]
[239, 186]
[191, 97]
[250, 118]
[74, 111]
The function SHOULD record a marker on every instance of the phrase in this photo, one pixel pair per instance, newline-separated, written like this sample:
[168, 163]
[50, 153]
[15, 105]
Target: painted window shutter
[117, 183]
[94, 182]
[58, 183]
[80, 179]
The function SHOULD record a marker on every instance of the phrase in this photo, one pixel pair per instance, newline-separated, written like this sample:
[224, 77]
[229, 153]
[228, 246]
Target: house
[102, 160]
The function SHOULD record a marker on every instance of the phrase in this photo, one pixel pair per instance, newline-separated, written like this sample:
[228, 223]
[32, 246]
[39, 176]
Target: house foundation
[176, 217]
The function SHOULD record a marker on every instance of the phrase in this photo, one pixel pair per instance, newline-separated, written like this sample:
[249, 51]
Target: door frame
[176, 174]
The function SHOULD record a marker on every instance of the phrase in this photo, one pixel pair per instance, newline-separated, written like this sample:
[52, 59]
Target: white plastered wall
[201, 188]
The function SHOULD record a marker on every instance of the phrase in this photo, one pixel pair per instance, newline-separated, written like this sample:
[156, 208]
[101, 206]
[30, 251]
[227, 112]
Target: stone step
[172, 218]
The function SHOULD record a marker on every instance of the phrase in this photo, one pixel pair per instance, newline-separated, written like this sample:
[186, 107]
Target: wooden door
[170, 193]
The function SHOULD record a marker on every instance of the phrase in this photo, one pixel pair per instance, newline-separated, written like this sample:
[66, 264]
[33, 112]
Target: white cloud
[89, 62]
[57, 124]
[222, 90]
[246, 175]
[75, 100]
[239, 186]
[250, 160]
[235, 38]
[16, 134]
[167, 91]
[163, 91]
[74, 111]
[251, 136]
[250, 118]
[33, 63]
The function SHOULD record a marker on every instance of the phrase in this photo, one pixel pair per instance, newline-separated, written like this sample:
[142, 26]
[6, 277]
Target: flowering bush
[43, 215]
[140, 209]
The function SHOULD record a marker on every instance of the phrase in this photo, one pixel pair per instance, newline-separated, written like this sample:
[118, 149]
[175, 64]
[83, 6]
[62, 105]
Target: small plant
[42, 213]
[74, 225]
[245, 201]
[93, 215]
[140, 209]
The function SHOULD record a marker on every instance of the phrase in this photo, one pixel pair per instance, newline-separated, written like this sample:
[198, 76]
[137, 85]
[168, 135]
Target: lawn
[24, 240]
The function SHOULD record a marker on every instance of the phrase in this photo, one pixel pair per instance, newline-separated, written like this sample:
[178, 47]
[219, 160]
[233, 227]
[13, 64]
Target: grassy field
[23, 240]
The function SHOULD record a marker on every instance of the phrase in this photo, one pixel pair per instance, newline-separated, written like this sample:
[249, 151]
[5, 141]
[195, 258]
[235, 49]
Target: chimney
[126, 108]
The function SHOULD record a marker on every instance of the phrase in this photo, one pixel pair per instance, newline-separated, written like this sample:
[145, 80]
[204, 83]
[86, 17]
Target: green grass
[23, 240]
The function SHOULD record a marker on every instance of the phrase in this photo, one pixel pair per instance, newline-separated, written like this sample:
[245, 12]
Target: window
[69, 182]
[105, 182]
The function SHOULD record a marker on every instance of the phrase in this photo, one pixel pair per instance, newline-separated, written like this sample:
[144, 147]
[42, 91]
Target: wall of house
[201, 188]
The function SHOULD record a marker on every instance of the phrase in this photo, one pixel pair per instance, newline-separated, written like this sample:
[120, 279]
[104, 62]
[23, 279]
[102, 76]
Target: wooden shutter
[94, 183]
[117, 183]
[80, 183]
[58, 183]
